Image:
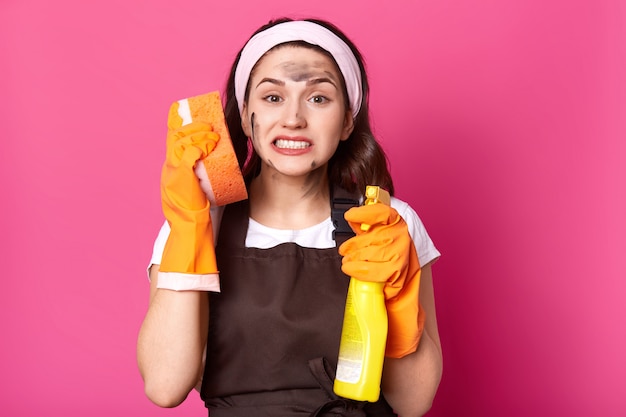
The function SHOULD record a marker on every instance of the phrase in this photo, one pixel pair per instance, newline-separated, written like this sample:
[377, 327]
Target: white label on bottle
[351, 349]
[349, 371]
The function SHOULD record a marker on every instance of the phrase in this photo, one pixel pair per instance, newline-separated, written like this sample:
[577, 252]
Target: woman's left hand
[385, 253]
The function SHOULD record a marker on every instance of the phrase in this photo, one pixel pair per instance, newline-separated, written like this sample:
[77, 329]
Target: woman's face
[296, 110]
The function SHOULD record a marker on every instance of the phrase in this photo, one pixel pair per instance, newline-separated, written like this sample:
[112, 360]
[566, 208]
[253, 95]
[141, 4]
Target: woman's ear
[348, 125]
[245, 121]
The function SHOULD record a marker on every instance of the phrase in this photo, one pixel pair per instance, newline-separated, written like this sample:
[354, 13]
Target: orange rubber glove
[385, 253]
[189, 248]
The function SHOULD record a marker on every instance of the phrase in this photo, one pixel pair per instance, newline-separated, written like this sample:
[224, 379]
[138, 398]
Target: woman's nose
[294, 115]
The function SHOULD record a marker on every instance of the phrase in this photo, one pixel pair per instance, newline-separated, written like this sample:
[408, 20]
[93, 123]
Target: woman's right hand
[189, 248]
[186, 145]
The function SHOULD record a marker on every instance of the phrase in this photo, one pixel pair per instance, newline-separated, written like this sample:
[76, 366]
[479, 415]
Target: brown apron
[274, 330]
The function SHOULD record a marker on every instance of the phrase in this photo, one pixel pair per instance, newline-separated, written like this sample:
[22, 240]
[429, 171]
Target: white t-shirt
[319, 236]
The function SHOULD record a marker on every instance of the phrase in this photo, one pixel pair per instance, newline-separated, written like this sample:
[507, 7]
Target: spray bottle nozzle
[374, 194]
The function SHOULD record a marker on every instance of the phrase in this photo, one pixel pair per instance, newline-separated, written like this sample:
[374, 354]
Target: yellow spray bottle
[364, 332]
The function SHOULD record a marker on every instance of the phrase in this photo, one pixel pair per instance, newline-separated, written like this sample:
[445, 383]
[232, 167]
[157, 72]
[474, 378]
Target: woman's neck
[290, 203]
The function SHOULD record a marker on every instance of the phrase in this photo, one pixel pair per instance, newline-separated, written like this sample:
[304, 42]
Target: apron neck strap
[341, 201]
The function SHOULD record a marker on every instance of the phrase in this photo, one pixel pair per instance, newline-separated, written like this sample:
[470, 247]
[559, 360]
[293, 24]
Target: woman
[297, 94]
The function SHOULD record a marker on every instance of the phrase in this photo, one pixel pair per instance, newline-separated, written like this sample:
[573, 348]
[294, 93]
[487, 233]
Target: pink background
[505, 125]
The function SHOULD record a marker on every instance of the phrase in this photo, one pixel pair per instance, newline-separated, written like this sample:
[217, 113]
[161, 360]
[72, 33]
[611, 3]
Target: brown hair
[358, 161]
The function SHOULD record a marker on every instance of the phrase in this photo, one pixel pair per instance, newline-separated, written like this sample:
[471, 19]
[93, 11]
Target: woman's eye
[272, 98]
[319, 99]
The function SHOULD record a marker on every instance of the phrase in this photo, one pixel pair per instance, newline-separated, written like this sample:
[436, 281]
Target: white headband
[300, 30]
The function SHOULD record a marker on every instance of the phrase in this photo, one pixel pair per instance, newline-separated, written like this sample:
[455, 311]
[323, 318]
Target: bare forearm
[410, 383]
[171, 345]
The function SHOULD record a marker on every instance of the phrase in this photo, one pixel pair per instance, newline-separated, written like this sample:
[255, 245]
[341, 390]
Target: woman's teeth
[291, 144]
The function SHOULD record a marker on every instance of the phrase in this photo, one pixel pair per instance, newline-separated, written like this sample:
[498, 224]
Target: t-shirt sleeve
[183, 282]
[426, 250]
[159, 244]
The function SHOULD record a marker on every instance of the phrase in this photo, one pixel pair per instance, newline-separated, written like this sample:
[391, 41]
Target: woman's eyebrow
[271, 81]
[321, 80]
[309, 80]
